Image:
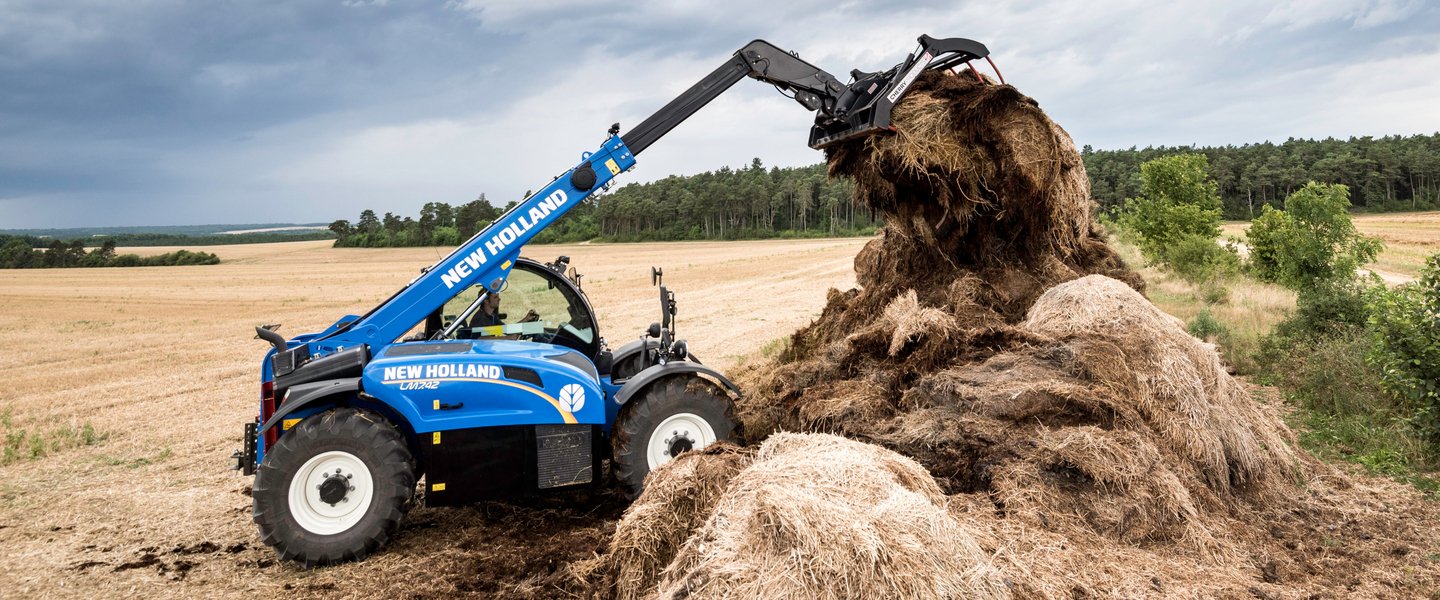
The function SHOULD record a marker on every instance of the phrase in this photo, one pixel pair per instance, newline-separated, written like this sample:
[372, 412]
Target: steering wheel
[552, 337]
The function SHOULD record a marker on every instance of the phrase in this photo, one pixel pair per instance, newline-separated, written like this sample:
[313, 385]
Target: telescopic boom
[842, 112]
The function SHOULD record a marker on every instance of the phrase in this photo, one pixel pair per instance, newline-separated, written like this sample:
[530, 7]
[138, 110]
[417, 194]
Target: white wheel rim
[679, 426]
[320, 517]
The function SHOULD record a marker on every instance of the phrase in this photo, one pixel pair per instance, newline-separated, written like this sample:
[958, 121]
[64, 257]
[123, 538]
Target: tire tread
[392, 472]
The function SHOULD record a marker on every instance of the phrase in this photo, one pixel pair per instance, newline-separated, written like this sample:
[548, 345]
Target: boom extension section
[843, 111]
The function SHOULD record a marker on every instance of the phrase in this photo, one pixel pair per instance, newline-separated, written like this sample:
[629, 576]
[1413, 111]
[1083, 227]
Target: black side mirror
[654, 330]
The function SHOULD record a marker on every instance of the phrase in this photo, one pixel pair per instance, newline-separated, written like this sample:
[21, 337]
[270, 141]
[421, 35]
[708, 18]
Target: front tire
[334, 488]
[673, 416]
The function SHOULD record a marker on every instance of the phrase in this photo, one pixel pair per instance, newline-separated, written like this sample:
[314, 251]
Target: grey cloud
[171, 112]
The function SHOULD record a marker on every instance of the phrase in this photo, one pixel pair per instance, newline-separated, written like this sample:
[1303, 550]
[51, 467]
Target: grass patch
[1376, 442]
[1341, 413]
[136, 463]
[776, 347]
[34, 443]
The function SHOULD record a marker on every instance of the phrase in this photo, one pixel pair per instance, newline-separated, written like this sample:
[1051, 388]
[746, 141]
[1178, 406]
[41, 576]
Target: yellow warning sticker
[614, 168]
[505, 265]
[435, 438]
[288, 423]
[439, 487]
[437, 405]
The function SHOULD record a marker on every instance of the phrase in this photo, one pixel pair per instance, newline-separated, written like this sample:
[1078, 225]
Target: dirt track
[160, 362]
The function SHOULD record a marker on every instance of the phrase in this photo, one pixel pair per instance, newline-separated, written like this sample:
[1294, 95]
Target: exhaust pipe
[267, 333]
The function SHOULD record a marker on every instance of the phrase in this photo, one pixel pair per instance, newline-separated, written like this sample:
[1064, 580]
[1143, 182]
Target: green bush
[1312, 240]
[1213, 291]
[1196, 258]
[1341, 409]
[1206, 327]
[1405, 323]
[1178, 203]
[1326, 309]
[1241, 351]
[1330, 374]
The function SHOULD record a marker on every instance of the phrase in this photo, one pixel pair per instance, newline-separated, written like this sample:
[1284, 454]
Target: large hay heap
[1088, 407]
[1086, 442]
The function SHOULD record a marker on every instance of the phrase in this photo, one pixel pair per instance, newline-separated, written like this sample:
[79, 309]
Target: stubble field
[123, 391]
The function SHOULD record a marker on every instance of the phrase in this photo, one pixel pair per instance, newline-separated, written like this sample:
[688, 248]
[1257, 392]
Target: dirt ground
[161, 366]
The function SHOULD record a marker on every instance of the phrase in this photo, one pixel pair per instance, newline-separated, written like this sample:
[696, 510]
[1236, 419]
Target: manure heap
[1021, 420]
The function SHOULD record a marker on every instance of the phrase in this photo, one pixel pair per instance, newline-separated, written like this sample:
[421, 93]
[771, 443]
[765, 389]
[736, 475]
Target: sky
[164, 112]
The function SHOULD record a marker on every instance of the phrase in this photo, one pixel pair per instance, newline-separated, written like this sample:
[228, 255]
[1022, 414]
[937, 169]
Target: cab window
[535, 305]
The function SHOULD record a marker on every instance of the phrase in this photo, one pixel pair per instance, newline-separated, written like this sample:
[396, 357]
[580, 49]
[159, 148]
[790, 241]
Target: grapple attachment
[864, 107]
[842, 111]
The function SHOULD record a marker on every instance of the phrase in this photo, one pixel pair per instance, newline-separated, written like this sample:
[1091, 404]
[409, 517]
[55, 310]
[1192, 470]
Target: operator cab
[537, 303]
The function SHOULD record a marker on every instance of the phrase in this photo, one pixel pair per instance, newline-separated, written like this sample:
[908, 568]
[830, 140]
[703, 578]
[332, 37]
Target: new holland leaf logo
[572, 398]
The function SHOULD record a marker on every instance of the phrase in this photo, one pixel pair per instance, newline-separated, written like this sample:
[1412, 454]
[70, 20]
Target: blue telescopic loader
[487, 376]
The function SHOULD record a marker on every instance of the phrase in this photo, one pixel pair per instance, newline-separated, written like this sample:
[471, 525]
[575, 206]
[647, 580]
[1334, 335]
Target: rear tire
[334, 488]
[675, 415]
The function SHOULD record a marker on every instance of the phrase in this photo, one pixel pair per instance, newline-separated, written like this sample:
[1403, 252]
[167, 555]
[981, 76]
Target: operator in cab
[489, 314]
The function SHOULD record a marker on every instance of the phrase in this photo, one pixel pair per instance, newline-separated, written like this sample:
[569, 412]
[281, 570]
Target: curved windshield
[535, 305]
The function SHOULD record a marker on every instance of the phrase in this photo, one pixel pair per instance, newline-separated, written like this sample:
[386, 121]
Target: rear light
[267, 409]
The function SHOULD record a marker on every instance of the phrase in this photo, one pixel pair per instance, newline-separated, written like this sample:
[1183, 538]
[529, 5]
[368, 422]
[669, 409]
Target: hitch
[245, 459]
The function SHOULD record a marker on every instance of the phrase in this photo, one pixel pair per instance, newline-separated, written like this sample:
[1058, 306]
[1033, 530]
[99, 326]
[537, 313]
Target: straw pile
[804, 516]
[1088, 445]
[1085, 408]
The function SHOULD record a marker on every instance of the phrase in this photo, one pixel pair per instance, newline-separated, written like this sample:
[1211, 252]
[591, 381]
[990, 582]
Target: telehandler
[485, 401]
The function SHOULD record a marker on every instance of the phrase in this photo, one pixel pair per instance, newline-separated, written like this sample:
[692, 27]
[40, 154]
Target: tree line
[180, 239]
[21, 252]
[440, 224]
[168, 239]
[725, 204]
[751, 202]
[1383, 174]
[1389, 173]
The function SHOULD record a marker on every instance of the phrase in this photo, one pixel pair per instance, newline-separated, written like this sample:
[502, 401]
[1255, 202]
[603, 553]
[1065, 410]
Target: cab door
[555, 310]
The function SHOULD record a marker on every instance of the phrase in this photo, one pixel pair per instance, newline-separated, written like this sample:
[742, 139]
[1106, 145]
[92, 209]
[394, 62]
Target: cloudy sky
[159, 112]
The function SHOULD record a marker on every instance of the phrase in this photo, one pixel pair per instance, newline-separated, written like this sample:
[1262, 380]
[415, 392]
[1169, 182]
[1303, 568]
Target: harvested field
[160, 363]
